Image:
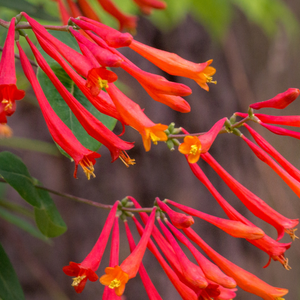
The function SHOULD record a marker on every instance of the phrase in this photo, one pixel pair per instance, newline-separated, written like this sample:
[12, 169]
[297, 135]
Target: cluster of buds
[217, 279]
[83, 8]
[88, 70]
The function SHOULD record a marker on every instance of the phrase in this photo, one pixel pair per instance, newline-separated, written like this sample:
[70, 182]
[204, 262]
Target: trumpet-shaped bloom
[244, 279]
[133, 115]
[210, 270]
[232, 227]
[60, 133]
[179, 220]
[117, 277]
[9, 92]
[256, 205]
[87, 10]
[274, 249]
[193, 146]
[280, 101]
[149, 286]
[175, 65]
[125, 21]
[86, 269]
[112, 37]
[185, 292]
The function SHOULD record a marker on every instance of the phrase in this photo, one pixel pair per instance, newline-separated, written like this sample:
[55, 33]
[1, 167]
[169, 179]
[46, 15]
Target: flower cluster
[89, 71]
[83, 8]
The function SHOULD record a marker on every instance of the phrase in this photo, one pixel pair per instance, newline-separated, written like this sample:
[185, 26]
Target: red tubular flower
[211, 271]
[247, 281]
[185, 292]
[179, 220]
[102, 102]
[256, 205]
[193, 146]
[78, 61]
[64, 14]
[275, 154]
[133, 115]
[232, 227]
[125, 21]
[281, 131]
[90, 123]
[112, 37]
[87, 10]
[274, 249]
[285, 176]
[117, 277]
[147, 5]
[109, 294]
[88, 267]
[103, 56]
[176, 65]
[60, 133]
[149, 286]
[8, 80]
[280, 101]
[192, 273]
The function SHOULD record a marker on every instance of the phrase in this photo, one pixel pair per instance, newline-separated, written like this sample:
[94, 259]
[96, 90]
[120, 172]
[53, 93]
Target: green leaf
[47, 217]
[215, 15]
[16, 174]
[35, 11]
[59, 105]
[10, 288]
[21, 223]
[170, 17]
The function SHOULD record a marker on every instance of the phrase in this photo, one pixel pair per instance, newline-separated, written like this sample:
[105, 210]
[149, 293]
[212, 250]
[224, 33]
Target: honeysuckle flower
[60, 133]
[125, 21]
[281, 131]
[112, 37]
[75, 11]
[274, 153]
[64, 14]
[179, 220]
[244, 279]
[149, 286]
[256, 205]
[87, 268]
[9, 92]
[210, 270]
[193, 146]
[175, 65]
[102, 101]
[78, 61]
[274, 249]
[232, 227]
[90, 123]
[280, 101]
[117, 277]
[134, 116]
[185, 292]
[285, 176]
[192, 273]
[109, 294]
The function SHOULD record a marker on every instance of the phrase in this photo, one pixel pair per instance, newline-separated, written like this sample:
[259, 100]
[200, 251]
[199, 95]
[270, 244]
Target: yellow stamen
[210, 79]
[77, 280]
[8, 104]
[88, 168]
[291, 233]
[102, 83]
[115, 283]
[126, 159]
[194, 149]
[154, 138]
